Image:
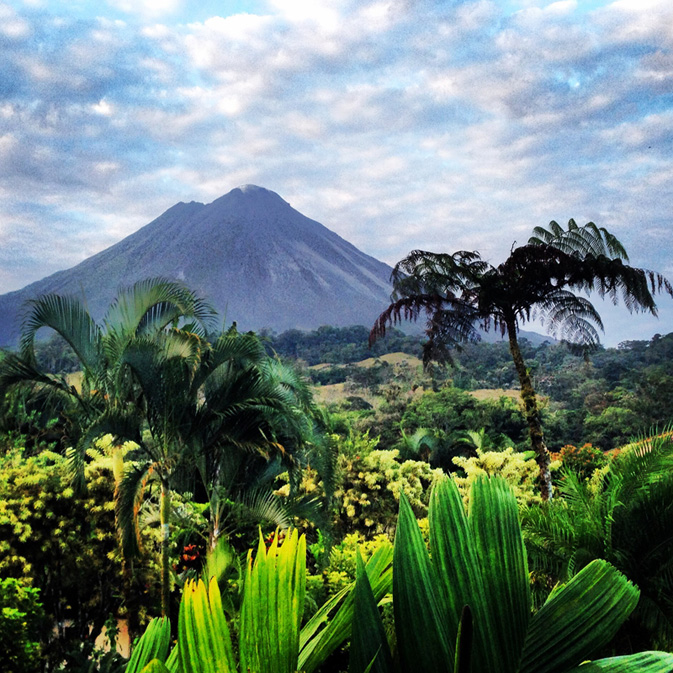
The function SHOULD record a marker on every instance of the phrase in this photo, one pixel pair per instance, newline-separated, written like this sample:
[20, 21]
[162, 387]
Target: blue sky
[399, 125]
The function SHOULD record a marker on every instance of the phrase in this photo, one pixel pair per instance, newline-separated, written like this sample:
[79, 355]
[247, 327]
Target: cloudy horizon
[398, 125]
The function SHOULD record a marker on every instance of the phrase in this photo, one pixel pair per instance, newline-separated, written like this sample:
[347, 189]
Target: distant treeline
[339, 345]
[605, 398]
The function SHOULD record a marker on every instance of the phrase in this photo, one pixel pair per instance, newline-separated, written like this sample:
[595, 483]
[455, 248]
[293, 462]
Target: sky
[409, 124]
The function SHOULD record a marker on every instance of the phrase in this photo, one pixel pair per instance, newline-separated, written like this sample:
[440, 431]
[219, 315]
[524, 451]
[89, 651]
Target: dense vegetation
[144, 455]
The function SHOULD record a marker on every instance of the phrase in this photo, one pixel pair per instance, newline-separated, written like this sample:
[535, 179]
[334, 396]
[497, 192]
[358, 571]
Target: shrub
[519, 471]
[368, 490]
[22, 622]
[584, 460]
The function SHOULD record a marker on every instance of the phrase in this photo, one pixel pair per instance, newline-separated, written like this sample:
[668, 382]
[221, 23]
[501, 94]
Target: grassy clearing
[494, 394]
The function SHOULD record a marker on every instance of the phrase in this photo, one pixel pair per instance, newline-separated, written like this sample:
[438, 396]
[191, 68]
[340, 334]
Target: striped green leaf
[155, 666]
[273, 605]
[420, 609]
[504, 617]
[456, 559]
[204, 643]
[464, 642]
[173, 662]
[578, 618]
[153, 644]
[643, 662]
[369, 649]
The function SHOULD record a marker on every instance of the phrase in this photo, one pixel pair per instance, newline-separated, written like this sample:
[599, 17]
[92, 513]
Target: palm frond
[67, 317]
[570, 317]
[152, 304]
[583, 241]
[127, 505]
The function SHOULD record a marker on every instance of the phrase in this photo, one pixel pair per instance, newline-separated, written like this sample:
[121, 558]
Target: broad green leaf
[455, 557]
[369, 649]
[503, 621]
[173, 662]
[464, 642]
[578, 618]
[155, 666]
[153, 644]
[643, 662]
[316, 642]
[420, 610]
[273, 605]
[203, 635]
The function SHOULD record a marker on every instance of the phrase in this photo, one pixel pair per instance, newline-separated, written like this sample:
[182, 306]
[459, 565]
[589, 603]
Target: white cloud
[148, 8]
[398, 125]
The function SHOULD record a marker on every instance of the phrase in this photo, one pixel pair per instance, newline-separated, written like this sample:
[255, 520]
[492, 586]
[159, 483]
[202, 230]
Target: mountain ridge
[257, 259]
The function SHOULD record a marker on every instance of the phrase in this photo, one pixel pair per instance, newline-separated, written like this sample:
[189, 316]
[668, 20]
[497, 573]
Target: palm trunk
[165, 575]
[532, 413]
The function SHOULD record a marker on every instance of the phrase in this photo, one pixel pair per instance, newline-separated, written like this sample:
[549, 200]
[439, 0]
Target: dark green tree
[209, 410]
[545, 279]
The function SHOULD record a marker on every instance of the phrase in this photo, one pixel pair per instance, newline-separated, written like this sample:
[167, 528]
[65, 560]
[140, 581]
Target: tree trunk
[165, 575]
[532, 413]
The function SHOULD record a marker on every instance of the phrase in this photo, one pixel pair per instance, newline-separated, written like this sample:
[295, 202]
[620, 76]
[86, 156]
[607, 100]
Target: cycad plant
[467, 607]
[624, 515]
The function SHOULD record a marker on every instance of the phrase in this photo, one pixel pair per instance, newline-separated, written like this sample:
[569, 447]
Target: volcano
[259, 261]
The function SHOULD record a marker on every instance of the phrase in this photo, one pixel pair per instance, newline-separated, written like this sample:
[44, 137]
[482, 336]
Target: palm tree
[192, 407]
[461, 293]
[143, 310]
[108, 398]
[208, 410]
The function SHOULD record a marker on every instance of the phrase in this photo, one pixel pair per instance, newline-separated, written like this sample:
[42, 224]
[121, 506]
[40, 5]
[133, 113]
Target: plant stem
[165, 575]
[532, 413]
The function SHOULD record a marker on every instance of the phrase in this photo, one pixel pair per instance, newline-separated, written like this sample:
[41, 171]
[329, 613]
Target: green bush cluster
[340, 570]
[369, 487]
[519, 469]
[22, 624]
[65, 544]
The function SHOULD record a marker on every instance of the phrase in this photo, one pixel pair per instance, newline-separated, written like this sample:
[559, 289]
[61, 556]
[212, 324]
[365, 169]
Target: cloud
[148, 9]
[397, 124]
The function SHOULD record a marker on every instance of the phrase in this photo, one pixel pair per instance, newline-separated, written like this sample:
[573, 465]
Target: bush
[22, 622]
[584, 460]
[368, 490]
[520, 472]
[66, 545]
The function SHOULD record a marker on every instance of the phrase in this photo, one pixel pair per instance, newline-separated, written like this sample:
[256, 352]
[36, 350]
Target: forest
[179, 497]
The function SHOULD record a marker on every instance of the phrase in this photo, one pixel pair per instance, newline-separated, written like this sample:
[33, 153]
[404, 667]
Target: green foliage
[583, 460]
[549, 278]
[269, 634]
[451, 411]
[624, 514]
[367, 485]
[22, 626]
[62, 543]
[340, 570]
[368, 490]
[479, 560]
[339, 344]
[612, 427]
[518, 469]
